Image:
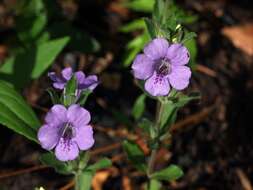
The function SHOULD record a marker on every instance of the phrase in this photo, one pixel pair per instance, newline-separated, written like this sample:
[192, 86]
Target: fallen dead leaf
[143, 146]
[126, 183]
[99, 179]
[241, 36]
[101, 176]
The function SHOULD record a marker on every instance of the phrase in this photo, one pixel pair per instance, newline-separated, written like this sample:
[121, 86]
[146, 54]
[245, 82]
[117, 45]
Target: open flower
[162, 65]
[67, 130]
[89, 82]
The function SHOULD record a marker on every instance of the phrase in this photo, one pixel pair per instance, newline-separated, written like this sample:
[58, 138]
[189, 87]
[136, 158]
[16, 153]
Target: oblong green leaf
[15, 103]
[139, 106]
[49, 159]
[134, 25]
[46, 53]
[101, 164]
[141, 5]
[170, 173]
[10, 120]
[135, 155]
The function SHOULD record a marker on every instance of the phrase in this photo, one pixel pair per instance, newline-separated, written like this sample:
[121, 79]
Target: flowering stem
[80, 177]
[151, 163]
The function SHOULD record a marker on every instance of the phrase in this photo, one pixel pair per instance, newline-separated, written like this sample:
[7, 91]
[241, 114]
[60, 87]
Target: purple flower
[162, 65]
[89, 82]
[67, 130]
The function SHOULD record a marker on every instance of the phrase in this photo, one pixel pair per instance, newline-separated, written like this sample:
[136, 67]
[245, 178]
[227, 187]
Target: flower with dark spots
[59, 82]
[66, 130]
[162, 65]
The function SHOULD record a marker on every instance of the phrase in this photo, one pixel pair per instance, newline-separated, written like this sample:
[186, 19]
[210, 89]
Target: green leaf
[31, 21]
[145, 124]
[170, 173]
[134, 47]
[192, 48]
[79, 39]
[101, 164]
[35, 61]
[49, 159]
[140, 5]
[135, 155]
[132, 26]
[188, 36]
[151, 27]
[184, 99]
[16, 114]
[46, 54]
[70, 91]
[154, 185]
[83, 97]
[139, 106]
[171, 107]
[158, 11]
[10, 120]
[168, 109]
[17, 105]
[83, 180]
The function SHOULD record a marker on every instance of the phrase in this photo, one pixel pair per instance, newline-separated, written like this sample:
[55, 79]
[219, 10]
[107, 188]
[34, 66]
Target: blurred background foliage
[40, 34]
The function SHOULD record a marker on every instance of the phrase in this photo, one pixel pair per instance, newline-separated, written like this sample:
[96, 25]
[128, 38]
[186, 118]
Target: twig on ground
[105, 148]
[206, 70]
[192, 119]
[68, 185]
[243, 179]
[23, 171]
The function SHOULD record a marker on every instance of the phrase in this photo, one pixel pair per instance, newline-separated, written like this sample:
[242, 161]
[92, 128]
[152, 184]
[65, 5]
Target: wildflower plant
[162, 72]
[67, 133]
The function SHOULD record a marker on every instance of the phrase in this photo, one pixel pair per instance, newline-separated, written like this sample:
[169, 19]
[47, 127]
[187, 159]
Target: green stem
[82, 163]
[77, 181]
[151, 163]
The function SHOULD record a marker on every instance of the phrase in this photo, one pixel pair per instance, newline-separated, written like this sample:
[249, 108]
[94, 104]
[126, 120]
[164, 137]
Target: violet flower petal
[90, 83]
[67, 73]
[156, 49]
[48, 136]
[143, 67]
[178, 54]
[78, 116]
[66, 150]
[56, 116]
[59, 85]
[80, 76]
[84, 137]
[157, 85]
[179, 77]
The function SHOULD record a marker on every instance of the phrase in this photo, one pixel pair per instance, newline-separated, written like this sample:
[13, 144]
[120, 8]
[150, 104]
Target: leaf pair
[16, 114]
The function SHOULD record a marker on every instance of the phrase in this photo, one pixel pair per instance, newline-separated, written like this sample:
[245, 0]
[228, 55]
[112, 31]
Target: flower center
[164, 67]
[68, 131]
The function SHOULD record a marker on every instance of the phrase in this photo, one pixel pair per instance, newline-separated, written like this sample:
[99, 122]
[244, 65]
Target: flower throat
[164, 67]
